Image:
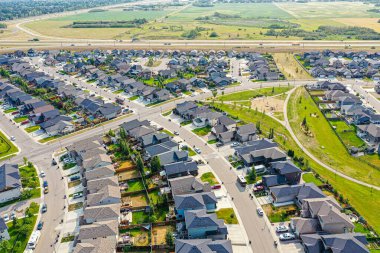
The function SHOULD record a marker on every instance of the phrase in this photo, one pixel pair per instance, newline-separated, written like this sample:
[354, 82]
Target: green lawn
[250, 94]
[20, 119]
[10, 110]
[155, 197]
[228, 215]
[310, 178]
[133, 98]
[118, 91]
[134, 186]
[347, 133]
[324, 143]
[167, 132]
[210, 178]
[202, 131]
[364, 199]
[189, 150]
[212, 141]
[186, 122]
[6, 146]
[50, 138]
[32, 129]
[140, 217]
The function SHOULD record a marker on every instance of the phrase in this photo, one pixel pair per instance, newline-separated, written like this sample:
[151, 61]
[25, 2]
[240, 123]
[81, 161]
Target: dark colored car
[40, 225]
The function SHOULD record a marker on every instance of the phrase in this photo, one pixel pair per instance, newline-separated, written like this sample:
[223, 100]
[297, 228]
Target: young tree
[169, 238]
[252, 174]
[155, 164]
[139, 163]
[25, 160]
[122, 133]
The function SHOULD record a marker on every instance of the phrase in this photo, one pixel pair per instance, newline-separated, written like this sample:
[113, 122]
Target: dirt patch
[158, 235]
[141, 239]
[127, 175]
[268, 104]
[139, 200]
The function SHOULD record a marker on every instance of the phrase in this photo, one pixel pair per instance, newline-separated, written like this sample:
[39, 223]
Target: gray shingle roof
[194, 200]
[9, 176]
[203, 246]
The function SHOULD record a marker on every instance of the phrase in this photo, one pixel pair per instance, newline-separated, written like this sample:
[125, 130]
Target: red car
[16, 112]
[25, 122]
[217, 186]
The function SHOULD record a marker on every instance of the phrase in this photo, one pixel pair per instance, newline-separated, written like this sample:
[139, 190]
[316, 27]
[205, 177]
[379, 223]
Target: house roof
[180, 167]
[309, 190]
[371, 129]
[101, 229]
[95, 160]
[141, 131]
[97, 185]
[9, 176]
[100, 245]
[100, 172]
[108, 191]
[200, 219]
[255, 145]
[305, 225]
[194, 200]
[285, 167]
[105, 212]
[202, 246]
[331, 215]
[345, 243]
[224, 120]
[188, 184]
[173, 157]
[285, 190]
[246, 129]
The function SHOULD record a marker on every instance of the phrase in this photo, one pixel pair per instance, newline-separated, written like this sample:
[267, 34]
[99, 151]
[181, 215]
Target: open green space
[20, 119]
[228, 215]
[10, 110]
[6, 146]
[140, 217]
[364, 199]
[323, 142]
[250, 94]
[210, 178]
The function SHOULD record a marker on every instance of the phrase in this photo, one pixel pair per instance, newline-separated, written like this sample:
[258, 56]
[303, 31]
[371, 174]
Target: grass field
[324, 143]
[364, 199]
[310, 178]
[250, 94]
[241, 20]
[347, 134]
[288, 65]
[6, 146]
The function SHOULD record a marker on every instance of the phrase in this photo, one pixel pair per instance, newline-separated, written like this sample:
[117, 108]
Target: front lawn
[75, 206]
[20, 119]
[134, 186]
[50, 138]
[279, 214]
[32, 129]
[167, 132]
[186, 122]
[212, 141]
[67, 166]
[228, 215]
[202, 131]
[133, 98]
[10, 110]
[6, 146]
[210, 178]
[189, 150]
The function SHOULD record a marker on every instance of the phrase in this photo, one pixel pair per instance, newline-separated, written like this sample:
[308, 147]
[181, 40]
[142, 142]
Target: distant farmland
[252, 21]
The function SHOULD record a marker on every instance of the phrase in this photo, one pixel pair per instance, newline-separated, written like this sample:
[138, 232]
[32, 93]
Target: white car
[197, 150]
[13, 138]
[260, 211]
[287, 237]
[234, 144]
[42, 174]
[282, 229]
[6, 218]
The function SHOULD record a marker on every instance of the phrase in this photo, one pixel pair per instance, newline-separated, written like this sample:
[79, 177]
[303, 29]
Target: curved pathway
[289, 128]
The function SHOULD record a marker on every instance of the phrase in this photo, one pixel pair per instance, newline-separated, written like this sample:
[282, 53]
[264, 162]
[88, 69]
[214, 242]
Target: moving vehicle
[241, 180]
[282, 229]
[287, 237]
[32, 243]
[260, 211]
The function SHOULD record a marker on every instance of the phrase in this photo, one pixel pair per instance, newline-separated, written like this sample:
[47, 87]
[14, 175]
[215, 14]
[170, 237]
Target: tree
[252, 174]
[25, 160]
[122, 133]
[155, 164]
[272, 90]
[139, 163]
[111, 133]
[258, 129]
[214, 93]
[5, 246]
[169, 237]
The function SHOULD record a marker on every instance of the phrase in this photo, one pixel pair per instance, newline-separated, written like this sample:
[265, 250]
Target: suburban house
[245, 133]
[203, 245]
[10, 182]
[180, 169]
[369, 132]
[283, 172]
[4, 235]
[101, 213]
[187, 185]
[194, 201]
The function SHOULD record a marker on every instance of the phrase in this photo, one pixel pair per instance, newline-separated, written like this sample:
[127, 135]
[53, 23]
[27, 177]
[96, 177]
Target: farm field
[240, 21]
[363, 199]
[323, 142]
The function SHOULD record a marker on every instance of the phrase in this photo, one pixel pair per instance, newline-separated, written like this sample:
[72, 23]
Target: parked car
[44, 208]
[53, 162]
[282, 229]
[42, 174]
[40, 225]
[260, 211]
[13, 215]
[6, 218]
[77, 195]
[219, 144]
[73, 178]
[258, 188]
[197, 150]
[235, 144]
[215, 187]
[175, 133]
[287, 237]
[45, 184]
[13, 138]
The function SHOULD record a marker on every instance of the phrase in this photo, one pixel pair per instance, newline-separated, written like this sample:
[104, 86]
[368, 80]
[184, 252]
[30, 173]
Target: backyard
[347, 134]
[135, 185]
